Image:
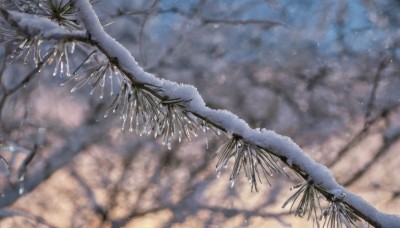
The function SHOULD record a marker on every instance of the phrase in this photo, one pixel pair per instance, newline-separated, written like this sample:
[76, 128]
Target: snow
[384, 220]
[281, 146]
[229, 121]
[38, 26]
[113, 49]
[337, 194]
[285, 147]
[188, 92]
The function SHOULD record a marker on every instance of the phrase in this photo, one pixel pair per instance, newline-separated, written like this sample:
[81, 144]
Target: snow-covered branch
[33, 25]
[281, 146]
[251, 148]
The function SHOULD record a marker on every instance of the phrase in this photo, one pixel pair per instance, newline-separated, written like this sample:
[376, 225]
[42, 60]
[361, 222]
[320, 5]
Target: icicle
[72, 47]
[111, 85]
[52, 57]
[21, 184]
[57, 65]
[129, 114]
[21, 190]
[61, 69]
[55, 71]
[131, 121]
[26, 56]
[98, 75]
[123, 123]
[169, 145]
[36, 54]
[67, 63]
[22, 44]
[102, 92]
[14, 55]
[232, 183]
[113, 105]
[80, 83]
[137, 123]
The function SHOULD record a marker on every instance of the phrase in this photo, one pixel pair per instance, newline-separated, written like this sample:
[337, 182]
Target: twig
[277, 145]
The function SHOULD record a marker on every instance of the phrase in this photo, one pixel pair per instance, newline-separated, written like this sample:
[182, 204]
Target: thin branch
[368, 121]
[33, 25]
[196, 14]
[361, 135]
[71, 147]
[377, 79]
[7, 213]
[97, 208]
[24, 82]
[264, 23]
[381, 152]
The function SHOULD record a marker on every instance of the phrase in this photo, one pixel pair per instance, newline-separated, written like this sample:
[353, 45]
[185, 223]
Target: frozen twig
[281, 146]
[189, 103]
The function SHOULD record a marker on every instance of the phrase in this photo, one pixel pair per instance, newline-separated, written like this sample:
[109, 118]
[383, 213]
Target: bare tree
[120, 176]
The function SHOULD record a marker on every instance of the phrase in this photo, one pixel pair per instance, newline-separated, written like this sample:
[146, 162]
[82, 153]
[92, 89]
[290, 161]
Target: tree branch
[81, 138]
[33, 25]
[281, 146]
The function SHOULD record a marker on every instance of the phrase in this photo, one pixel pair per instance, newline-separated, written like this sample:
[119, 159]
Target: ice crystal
[206, 127]
[255, 161]
[92, 71]
[139, 109]
[21, 44]
[175, 120]
[338, 214]
[144, 112]
[23, 47]
[309, 201]
[60, 58]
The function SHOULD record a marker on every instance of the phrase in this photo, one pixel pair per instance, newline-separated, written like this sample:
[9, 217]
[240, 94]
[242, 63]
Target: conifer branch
[152, 105]
[277, 145]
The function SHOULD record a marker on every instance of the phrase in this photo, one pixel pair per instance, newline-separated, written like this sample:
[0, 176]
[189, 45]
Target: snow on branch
[280, 146]
[33, 25]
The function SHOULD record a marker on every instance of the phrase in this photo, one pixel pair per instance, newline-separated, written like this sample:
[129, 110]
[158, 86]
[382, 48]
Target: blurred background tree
[323, 73]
